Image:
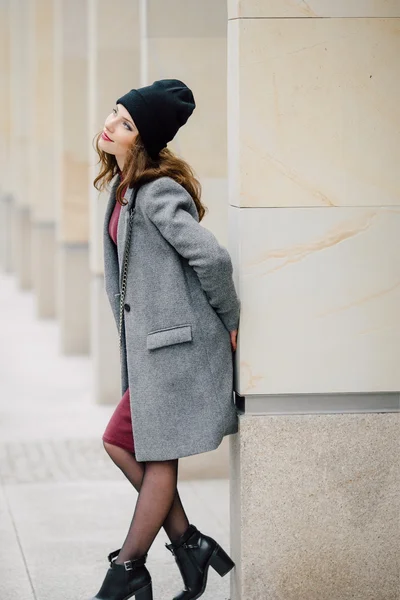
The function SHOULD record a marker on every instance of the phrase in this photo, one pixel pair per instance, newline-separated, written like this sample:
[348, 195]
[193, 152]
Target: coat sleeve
[169, 207]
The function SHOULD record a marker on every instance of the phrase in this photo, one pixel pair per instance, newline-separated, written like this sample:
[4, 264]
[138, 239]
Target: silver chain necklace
[125, 272]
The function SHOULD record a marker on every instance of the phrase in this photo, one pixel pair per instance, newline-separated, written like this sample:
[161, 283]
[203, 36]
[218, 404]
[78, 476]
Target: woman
[170, 287]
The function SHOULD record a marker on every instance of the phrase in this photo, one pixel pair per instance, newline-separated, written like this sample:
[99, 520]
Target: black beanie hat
[158, 111]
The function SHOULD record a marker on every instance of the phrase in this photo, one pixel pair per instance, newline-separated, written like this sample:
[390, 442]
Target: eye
[124, 122]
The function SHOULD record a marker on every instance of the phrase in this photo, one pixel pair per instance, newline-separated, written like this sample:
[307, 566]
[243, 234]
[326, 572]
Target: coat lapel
[113, 256]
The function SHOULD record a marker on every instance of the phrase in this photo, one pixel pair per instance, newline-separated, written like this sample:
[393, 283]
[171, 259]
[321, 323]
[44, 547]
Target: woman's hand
[233, 335]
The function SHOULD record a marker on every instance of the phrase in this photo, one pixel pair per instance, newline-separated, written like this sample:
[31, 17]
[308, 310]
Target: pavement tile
[14, 578]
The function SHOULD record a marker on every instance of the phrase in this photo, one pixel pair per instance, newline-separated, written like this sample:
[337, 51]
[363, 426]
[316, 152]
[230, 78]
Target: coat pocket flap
[168, 336]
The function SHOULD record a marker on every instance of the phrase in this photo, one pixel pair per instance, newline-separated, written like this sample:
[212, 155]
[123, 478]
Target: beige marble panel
[319, 119]
[201, 64]
[186, 18]
[320, 292]
[315, 512]
[313, 8]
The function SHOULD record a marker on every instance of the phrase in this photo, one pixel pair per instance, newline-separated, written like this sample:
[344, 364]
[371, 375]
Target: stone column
[20, 118]
[313, 96]
[187, 40]
[72, 174]
[42, 159]
[113, 70]
[6, 199]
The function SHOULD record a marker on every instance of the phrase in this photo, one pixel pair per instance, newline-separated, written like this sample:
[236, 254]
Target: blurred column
[6, 199]
[314, 123]
[42, 159]
[187, 40]
[20, 118]
[113, 70]
[72, 172]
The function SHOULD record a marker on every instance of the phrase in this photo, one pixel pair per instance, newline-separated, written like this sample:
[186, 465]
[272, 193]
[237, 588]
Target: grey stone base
[6, 220]
[315, 507]
[43, 268]
[73, 298]
[305, 404]
[22, 249]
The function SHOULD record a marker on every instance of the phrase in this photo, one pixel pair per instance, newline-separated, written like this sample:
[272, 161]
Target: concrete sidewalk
[64, 505]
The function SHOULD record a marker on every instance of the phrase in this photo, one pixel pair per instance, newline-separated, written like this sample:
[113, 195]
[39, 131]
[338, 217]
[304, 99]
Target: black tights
[158, 504]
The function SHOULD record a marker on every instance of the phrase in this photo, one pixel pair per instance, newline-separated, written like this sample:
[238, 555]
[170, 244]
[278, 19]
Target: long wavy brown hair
[140, 168]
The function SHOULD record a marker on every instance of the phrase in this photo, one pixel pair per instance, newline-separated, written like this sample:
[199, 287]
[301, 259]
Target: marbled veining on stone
[314, 118]
[320, 292]
[313, 8]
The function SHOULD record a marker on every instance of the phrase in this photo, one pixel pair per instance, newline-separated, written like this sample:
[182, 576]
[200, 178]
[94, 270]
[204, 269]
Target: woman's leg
[155, 500]
[176, 522]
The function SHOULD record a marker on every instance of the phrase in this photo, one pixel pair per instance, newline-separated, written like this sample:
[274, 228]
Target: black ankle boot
[194, 553]
[130, 580]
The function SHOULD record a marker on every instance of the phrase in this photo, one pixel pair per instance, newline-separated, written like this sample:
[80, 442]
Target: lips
[105, 137]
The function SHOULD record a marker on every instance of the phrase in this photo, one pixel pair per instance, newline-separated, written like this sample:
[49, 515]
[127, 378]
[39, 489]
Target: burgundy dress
[119, 429]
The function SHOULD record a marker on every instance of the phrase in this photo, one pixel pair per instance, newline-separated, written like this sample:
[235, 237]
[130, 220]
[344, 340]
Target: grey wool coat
[180, 305]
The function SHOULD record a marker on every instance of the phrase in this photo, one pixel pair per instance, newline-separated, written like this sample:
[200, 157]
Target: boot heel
[145, 593]
[221, 562]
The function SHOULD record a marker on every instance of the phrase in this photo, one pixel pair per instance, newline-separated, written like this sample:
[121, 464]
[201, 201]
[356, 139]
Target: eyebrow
[125, 118]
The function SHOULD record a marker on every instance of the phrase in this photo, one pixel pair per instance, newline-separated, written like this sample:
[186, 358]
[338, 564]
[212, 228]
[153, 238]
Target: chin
[105, 146]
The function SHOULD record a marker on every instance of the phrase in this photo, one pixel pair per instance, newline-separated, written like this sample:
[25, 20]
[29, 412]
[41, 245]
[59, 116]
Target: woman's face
[121, 132]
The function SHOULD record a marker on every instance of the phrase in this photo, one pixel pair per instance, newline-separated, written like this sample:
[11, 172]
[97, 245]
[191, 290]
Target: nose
[109, 124]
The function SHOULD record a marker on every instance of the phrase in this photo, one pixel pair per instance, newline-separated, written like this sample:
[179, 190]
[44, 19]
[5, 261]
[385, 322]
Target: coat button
[127, 307]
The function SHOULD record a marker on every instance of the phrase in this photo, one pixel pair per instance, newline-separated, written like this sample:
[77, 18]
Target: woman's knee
[113, 450]
[110, 448]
